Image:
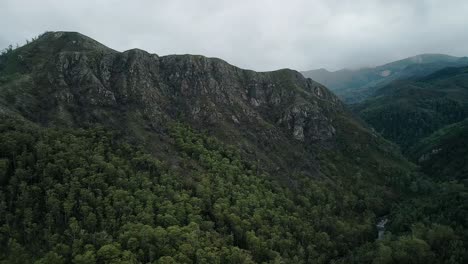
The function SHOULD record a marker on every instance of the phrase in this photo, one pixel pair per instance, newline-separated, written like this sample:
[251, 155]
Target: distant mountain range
[428, 118]
[356, 85]
[409, 110]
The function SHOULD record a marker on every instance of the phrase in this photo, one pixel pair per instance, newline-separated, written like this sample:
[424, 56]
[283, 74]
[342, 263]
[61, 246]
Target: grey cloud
[260, 35]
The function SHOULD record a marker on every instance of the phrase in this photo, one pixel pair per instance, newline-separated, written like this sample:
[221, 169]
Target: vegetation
[103, 160]
[356, 85]
[424, 117]
[444, 153]
[86, 196]
[83, 197]
[408, 111]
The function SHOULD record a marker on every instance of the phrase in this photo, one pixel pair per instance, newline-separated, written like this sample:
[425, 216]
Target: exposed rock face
[427, 156]
[80, 81]
[200, 88]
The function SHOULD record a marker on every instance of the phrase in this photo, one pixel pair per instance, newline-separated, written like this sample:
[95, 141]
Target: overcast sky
[260, 35]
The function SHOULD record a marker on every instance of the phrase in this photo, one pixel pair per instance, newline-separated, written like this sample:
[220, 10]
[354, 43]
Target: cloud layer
[255, 34]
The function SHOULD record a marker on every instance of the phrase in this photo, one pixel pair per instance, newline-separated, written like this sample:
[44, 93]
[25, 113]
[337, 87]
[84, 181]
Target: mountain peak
[40, 51]
[68, 41]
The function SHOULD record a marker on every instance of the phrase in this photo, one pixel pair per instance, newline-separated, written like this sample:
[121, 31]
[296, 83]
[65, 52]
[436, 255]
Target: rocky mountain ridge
[69, 79]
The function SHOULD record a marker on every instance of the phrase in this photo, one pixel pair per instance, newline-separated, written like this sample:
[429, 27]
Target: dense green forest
[444, 154]
[428, 226]
[426, 118]
[86, 196]
[83, 196]
[407, 111]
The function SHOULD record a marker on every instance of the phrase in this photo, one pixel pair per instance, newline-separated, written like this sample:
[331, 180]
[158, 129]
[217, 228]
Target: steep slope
[279, 115]
[407, 111]
[444, 153]
[438, 214]
[182, 159]
[424, 117]
[356, 85]
[431, 220]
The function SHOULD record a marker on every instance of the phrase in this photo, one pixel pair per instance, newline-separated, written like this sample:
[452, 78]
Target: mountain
[442, 156]
[427, 118]
[68, 79]
[356, 85]
[408, 111]
[131, 157]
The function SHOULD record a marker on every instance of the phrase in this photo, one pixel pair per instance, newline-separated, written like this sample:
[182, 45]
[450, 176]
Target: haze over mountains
[131, 157]
[406, 111]
[427, 117]
[356, 85]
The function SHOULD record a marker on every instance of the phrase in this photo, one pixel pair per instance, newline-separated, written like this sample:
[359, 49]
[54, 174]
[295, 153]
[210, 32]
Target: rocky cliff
[65, 78]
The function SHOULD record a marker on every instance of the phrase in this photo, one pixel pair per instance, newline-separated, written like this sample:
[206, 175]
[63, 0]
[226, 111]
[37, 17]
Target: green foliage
[425, 244]
[444, 153]
[430, 223]
[86, 196]
[407, 111]
[428, 226]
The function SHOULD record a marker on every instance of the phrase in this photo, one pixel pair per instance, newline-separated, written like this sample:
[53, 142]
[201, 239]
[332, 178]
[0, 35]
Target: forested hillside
[444, 154]
[86, 196]
[407, 111]
[427, 118]
[128, 157]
